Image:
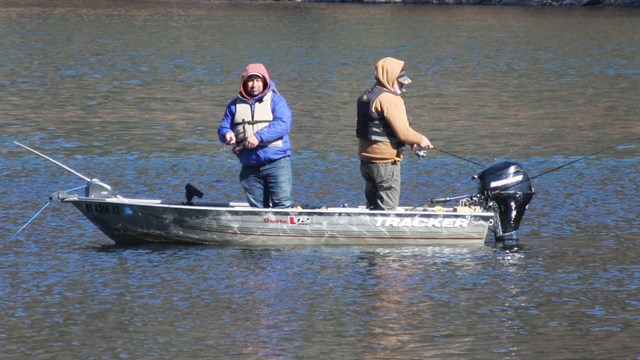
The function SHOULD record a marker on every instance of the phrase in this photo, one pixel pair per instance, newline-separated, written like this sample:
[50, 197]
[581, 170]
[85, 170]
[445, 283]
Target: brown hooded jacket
[392, 107]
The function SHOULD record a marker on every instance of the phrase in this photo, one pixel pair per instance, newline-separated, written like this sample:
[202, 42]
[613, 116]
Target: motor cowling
[506, 186]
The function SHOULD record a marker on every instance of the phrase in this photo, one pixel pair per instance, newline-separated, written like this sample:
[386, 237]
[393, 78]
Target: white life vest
[247, 123]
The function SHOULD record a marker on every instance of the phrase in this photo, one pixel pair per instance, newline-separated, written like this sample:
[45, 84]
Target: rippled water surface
[132, 93]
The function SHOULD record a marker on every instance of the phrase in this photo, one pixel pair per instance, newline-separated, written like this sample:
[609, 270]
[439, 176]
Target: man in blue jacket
[257, 123]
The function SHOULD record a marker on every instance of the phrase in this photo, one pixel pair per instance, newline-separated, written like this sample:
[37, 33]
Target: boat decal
[422, 222]
[108, 209]
[299, 220]
[503, 182]
[276, 221]
[102, 209]
[127, 210]
[291, 220]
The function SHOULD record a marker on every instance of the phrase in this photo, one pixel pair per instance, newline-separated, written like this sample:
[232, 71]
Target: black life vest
[371, 125]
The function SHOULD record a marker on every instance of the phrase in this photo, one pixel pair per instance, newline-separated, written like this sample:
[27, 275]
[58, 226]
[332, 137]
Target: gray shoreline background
[545, 3]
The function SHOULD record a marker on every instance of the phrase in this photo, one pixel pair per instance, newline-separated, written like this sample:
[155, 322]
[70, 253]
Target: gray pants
[382, 184]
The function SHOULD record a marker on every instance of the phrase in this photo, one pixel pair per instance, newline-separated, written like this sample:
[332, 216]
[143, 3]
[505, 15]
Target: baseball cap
[403, 78]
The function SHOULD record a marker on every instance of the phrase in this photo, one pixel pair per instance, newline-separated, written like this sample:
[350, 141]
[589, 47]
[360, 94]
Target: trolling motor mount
[507, 188]
[191, 192]
[97, 189]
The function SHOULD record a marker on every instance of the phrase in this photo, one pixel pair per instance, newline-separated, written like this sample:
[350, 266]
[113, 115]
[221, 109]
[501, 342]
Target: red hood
[255, 69]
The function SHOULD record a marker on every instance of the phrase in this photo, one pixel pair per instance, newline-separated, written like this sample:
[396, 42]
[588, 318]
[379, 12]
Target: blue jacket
[278, 129]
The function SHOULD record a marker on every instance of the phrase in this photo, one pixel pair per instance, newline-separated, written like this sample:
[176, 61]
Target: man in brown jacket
[383, 130]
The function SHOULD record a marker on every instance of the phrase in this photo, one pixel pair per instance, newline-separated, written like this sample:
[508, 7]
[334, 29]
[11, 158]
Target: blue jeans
[268, 185]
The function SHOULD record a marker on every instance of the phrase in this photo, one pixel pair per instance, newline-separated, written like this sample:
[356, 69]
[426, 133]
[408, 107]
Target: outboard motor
[97, 189]
[506, 187]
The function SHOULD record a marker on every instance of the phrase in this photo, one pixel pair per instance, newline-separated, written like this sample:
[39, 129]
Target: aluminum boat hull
[134, 221]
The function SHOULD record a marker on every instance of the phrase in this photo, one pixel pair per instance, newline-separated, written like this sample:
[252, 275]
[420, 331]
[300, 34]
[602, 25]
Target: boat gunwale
[155, 203]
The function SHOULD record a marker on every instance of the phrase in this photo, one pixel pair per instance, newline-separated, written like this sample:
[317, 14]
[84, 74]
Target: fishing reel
[421, 152]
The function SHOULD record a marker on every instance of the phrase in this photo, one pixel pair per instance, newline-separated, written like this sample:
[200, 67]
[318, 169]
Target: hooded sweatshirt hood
[255, 69]
[387, 71]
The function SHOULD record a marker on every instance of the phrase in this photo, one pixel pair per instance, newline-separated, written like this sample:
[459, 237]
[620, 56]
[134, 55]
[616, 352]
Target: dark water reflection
[132, 94]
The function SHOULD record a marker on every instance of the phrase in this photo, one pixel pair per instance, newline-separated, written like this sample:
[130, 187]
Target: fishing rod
[421, 152]
[572, 162]
[39, 212]
[585, 157]
[526, 179]
[30, 220]
[52, 196]
[459, 157]
[448, 198]
[556, 168]
[54, 161]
